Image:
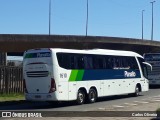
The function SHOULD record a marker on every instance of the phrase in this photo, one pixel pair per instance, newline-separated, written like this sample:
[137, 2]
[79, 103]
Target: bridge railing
[11, 80]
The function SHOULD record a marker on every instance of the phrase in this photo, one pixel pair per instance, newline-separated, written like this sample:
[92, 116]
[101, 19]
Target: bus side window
[109, 63]
[115, 62]
[125, 63]
[118, 62]
[66, 60]
[72, 62]
[101, 62]
[95, 64]
[75, 62]
[80, 61]
[88, 62]
[62, 60]
[98, 62]
[133, 63]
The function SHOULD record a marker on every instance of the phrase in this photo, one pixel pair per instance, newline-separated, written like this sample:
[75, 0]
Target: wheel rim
[92, 96]
[137, 91]
[81, 97]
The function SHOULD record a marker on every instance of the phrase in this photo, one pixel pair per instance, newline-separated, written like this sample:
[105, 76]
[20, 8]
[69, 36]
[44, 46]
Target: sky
[113, 18]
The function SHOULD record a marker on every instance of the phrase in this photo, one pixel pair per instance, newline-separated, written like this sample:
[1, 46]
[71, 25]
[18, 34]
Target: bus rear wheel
[80, 97]
[92, 96]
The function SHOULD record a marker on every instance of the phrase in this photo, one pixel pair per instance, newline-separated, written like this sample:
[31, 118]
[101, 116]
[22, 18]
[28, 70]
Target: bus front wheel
[137, 91]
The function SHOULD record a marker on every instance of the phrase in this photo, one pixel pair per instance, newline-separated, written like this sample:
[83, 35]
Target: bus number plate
[37, 96]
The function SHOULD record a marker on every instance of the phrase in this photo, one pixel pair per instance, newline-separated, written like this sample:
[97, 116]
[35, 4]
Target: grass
[11, 97]
[158, 109]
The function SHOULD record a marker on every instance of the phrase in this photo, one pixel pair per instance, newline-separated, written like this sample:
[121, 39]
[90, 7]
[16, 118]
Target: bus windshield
[152, 57]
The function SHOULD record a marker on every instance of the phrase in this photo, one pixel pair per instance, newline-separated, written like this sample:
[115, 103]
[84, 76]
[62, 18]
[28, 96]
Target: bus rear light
[24, 85]
[53, 86]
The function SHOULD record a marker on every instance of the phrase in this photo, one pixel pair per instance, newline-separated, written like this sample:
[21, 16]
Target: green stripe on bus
[73, 75]
[80, 75]
[28, 56]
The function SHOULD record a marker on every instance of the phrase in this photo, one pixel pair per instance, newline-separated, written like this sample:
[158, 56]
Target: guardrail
[11, 80]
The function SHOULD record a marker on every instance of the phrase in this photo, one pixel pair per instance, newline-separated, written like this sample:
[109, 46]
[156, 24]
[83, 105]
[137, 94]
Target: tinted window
[88, 61]
[98, 62]
[152, 57]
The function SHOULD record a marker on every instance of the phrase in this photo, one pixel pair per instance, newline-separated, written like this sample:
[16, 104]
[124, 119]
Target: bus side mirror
[149, 65]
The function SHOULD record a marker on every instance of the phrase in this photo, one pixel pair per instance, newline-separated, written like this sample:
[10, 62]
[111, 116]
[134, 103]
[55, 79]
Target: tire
[92, 95]
[137, 91]
[81, 97]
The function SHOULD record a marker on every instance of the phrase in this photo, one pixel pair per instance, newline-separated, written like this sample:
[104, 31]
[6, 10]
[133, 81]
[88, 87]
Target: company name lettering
[43, 55]
[129, 74]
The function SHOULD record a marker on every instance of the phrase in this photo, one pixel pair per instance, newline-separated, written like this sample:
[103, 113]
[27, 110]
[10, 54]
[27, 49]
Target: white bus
[82, 75]
[154, 60]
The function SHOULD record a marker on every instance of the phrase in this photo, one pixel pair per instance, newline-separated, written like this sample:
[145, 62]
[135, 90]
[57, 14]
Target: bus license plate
[37, 96]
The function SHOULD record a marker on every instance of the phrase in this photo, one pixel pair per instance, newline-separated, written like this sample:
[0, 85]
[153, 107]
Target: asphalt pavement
[148, 101]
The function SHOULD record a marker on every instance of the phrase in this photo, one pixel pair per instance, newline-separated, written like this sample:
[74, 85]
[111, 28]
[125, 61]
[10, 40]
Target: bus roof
[89, 51]
[151, 53]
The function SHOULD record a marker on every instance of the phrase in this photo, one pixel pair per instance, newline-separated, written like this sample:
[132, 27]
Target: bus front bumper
[154, 82]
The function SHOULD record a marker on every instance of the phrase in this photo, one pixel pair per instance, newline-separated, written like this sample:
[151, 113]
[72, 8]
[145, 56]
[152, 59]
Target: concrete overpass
[18, 43]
